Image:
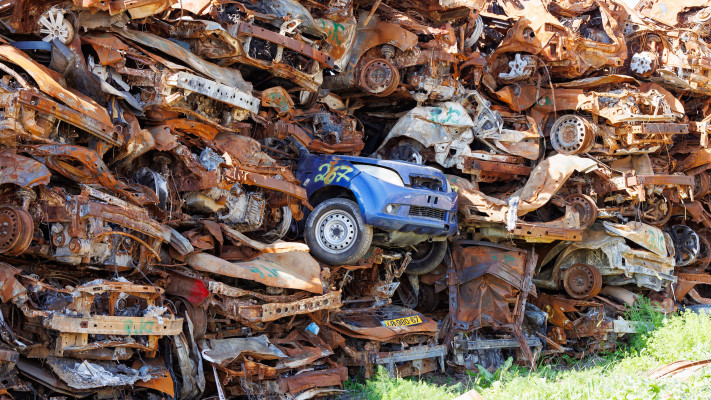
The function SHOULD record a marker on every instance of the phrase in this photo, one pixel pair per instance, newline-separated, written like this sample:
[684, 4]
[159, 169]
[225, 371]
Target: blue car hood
[404, 169]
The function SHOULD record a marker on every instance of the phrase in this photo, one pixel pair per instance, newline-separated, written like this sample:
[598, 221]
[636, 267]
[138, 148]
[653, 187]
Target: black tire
[339, 217]
[427, 257]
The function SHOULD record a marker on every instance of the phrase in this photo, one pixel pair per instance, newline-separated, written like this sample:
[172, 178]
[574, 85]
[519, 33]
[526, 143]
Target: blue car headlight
[384, 174]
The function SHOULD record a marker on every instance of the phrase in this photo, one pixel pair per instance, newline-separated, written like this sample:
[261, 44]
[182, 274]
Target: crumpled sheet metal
[50, 82]
[282, 130]
[667, 12]
[227, 351]
[11, 287]
[22, 171]
[557, 306]
[492, 129]
[369, 324]
[618, 262]
[545, 181]
[583, 327]
[569, 51]
[83, 374]
[236, 36]
[284, 361]
[488, 287]
[136, 9]
[63, 159]
[226, 76]
[647, 236]
[301, 349]
[306, 380]
[485, 284]
[155, 143]
[292, 270]
[446, 129]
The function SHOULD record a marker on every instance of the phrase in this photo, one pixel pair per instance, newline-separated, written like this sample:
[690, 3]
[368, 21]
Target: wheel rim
[407, 153]
[16, 230]
[686, 243]
[702, 184]
[582, 281]
[379, 77]
[53, 25]
[586, 208]
[336, 231]
[703, 15]
[571, 134]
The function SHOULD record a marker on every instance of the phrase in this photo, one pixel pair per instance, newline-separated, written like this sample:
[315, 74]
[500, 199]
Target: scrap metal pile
[211, 198]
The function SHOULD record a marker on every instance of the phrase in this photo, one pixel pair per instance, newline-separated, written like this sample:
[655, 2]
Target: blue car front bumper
[419, 211]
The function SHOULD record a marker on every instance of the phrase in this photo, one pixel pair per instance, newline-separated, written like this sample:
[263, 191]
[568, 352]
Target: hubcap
[53, 25]
[336, 231]
[686, 243]
[643, 63]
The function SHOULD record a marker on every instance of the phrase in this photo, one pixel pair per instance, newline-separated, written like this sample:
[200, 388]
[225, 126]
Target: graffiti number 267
[329, 173]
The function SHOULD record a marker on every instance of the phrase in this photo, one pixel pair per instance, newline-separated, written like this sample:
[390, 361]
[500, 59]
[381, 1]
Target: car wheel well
[595, 257]
[331, 192]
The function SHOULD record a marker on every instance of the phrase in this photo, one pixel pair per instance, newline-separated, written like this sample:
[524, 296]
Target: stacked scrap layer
[258, 198]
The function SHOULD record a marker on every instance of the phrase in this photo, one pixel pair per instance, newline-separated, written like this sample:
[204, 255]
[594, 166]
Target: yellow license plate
[414, 320]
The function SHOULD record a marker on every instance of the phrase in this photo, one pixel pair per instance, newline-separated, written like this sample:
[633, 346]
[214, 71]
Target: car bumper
[419, 211]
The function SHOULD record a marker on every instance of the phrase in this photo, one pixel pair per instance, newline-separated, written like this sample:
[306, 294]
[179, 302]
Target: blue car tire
[336, 234]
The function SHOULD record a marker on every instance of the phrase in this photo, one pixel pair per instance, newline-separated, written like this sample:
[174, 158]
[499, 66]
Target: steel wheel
[585, 206]
[379, 77]
[16, 230]
[336, 231]
[54, 25]
[571, 134]
[582, 281]
[702, 184]
[336, 234]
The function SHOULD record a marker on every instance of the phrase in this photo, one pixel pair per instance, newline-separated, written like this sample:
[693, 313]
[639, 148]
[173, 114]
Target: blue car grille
[426, 182]
[427, 212]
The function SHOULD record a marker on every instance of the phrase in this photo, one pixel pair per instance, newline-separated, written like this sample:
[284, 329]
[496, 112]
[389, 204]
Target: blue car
[363, 201]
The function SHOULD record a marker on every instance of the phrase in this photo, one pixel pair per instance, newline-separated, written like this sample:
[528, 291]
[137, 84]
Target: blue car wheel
[336, 233]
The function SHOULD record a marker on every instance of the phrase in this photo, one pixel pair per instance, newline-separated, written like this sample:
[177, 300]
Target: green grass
[386, 388]
[617, 376]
